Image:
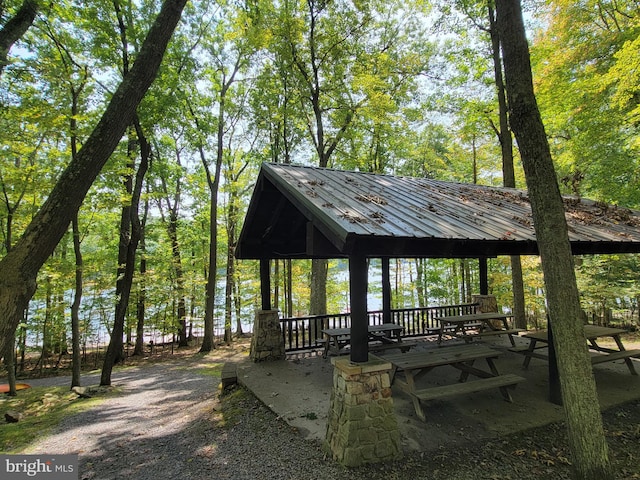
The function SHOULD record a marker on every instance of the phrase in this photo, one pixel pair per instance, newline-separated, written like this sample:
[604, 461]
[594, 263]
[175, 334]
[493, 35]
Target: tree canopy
[405, 88]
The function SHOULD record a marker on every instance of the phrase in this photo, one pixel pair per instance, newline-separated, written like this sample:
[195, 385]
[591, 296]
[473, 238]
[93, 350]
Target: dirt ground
[472, 437]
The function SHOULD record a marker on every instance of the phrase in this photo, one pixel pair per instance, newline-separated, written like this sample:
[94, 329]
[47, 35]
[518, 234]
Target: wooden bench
[513, 331]
[490, 333]
[508, 380]
[380, 347]
[610, 357]
[452, 329]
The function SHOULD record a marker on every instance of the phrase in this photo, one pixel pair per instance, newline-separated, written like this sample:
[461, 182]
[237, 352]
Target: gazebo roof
[310, 212]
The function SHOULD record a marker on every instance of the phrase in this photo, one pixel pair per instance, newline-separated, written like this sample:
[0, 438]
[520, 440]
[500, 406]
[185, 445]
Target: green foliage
[388, 87]
[608, 282]
[42, 408]
[585, 65]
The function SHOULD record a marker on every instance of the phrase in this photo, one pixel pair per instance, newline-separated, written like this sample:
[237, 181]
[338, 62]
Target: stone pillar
[488, 304]
[267, 342]
[362, 426]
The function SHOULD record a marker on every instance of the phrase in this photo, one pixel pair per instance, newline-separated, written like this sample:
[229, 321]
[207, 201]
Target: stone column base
[362, 426]
[488, 303]
[267, 342]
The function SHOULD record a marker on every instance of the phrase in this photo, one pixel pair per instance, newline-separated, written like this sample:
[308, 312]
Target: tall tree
[584, 421]
[229, 60]
[142, 289]
[508, 170]
[20, 266]
[115, 350]
[125, 280]
[169, 205]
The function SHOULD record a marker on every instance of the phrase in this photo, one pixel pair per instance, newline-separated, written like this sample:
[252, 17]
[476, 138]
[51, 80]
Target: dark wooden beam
[484, 276]
[265, 283]
[359, 319]
[386, 291]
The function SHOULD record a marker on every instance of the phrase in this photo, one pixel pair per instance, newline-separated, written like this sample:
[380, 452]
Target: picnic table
[540, 339]
[387, 335]
[414, 365]
[462, 325]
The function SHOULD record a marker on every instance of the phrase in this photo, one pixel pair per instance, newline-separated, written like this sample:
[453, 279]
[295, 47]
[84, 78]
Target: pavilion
[303, 212]
[308, 212]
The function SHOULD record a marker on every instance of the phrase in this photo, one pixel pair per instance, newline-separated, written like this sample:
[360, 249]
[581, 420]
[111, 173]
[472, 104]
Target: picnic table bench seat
[451, 329]
[609, 357]
[511, 331]
[403, 346]
[433, 393]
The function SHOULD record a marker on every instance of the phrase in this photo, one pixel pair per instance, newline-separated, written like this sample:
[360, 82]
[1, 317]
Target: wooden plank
[403, 346]
[610, 357]
[487, 333]
[433, 393]
[595, 331]
[441, 356]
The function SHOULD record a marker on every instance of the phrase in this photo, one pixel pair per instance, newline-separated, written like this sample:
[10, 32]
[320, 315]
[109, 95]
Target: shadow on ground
[298, 390]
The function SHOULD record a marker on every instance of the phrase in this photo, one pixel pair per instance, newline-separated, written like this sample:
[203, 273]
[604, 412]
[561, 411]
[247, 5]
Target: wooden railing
[301, 333]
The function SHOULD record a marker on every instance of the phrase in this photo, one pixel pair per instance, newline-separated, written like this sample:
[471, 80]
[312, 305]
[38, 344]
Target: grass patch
[233, 405]
[213, 370]
[42, 409]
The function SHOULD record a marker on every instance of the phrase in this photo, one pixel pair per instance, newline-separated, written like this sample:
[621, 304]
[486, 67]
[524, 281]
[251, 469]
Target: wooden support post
[265, 283]
[386, 291]
[484, 276]
[359, 320]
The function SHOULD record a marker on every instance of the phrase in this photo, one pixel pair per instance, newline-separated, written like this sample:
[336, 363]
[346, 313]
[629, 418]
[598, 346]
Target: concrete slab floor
[298, 390]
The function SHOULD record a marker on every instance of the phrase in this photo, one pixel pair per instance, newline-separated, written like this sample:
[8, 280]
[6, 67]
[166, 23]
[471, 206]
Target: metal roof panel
[345, 204]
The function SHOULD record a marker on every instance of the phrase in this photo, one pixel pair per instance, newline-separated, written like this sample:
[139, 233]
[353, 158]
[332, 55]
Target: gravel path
[143, 432]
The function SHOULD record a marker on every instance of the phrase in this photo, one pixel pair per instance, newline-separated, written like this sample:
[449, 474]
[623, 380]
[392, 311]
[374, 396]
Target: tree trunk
[142, 293]
[20, 266]
[420, 283]
[75, 308]
[208, 343]
[231, 273]
[508, 170]
[123, 281]
[9, 362]
[177, 262]
[228, 299]
[277, 276]
[16, 27]
[318, 301]
[114, 350]
[289, 289]
[585, 431]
